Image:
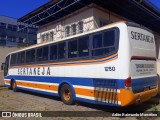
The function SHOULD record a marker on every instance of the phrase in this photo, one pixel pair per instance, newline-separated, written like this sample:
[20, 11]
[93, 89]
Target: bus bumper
[127, 97]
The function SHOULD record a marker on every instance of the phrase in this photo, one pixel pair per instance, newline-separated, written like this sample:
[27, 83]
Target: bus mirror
[2, 66]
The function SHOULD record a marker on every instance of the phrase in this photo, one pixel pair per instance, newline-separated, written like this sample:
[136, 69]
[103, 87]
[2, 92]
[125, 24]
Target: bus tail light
[128, 83]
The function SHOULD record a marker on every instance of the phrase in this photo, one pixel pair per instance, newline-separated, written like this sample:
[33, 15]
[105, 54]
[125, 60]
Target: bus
[114, 65]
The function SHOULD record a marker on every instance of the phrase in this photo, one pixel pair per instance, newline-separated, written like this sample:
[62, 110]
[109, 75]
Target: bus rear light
[128, 82]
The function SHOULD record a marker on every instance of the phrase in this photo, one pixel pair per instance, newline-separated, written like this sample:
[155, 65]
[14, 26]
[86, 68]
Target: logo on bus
[141, 37]
[34, 71]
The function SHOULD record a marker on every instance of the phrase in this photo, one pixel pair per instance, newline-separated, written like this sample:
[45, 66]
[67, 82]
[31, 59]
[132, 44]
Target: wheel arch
[71, 86]
[12, 80]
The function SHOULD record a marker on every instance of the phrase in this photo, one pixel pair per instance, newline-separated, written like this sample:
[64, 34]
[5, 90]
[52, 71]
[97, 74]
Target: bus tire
[14, 86]
[66, 94]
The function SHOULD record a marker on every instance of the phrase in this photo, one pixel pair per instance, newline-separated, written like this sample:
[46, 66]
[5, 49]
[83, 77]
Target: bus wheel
[66, 95]
[14, 86]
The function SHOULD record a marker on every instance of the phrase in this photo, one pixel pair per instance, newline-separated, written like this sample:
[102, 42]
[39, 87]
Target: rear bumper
[127, 97]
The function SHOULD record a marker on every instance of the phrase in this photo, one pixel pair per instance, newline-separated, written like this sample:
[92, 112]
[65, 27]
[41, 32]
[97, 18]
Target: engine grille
[105, 91]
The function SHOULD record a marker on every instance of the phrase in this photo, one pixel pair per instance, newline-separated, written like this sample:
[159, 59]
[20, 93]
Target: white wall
[91, 17]
[59, 27]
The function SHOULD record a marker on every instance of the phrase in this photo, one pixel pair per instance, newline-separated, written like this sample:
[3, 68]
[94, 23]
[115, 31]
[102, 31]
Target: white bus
[114, 65]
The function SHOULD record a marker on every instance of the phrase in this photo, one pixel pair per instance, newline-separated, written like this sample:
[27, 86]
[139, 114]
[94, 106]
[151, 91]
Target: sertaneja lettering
[34, 71]
[141, 37]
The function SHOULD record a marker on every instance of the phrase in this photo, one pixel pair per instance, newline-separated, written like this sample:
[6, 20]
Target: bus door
[6, 65]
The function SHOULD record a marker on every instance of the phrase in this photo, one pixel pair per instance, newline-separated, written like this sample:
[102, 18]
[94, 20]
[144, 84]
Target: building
[62, 18]
[11, 39]
[10, 36]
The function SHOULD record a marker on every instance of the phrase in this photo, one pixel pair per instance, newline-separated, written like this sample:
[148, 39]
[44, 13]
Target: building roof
[139, 11]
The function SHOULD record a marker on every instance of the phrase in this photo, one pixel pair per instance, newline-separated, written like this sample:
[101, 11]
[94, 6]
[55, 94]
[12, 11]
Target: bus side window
[61, 50]
[45, 53]
[83, 46]
[103, 45]
[97, 45]
[39, 54]
[28, 56]
[72, 49]
[53, 52]
[109, 38]
[97, 41]
[33, 55]
[21, 57]
[13, 59]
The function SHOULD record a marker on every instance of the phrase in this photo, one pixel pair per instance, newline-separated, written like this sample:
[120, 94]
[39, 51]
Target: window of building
[61, 50]
[53, 52]
[72, 49]
[51, 36]
[3, 25]
[32, 30]
[67, 31]
[20, 40]
[9, 38]
[9, 27]
[42, 37]
[47, 36]
[20, 27]
[83, 46]
[73, 29]
[3, 37]
[80, 27]
[14, 39]
[14, 28]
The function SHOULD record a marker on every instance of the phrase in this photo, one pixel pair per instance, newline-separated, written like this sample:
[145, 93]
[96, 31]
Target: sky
[19, 8]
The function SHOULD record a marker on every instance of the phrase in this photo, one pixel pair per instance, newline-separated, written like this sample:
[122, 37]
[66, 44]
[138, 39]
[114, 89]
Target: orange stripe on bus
[97, 93]
[39, 86]
[7, 81]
